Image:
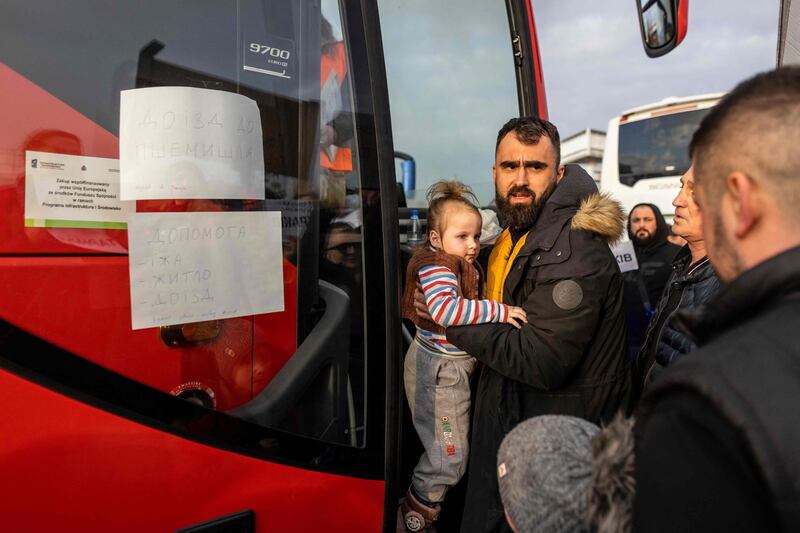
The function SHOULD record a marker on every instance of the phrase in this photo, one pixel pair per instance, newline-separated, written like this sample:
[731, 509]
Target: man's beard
[522, 216]
[642, 241]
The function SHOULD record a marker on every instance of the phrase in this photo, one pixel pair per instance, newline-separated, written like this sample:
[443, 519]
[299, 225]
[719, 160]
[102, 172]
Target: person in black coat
[717, 438]
[691, 284]
[648, 231]
[554, 261]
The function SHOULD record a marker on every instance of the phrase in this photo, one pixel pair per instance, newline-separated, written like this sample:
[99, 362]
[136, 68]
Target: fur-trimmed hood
[601, 214]
[576, 197]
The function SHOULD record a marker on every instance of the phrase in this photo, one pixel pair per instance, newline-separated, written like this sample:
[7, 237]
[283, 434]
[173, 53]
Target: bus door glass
[455, 73]
[452, 85]
[68, 280]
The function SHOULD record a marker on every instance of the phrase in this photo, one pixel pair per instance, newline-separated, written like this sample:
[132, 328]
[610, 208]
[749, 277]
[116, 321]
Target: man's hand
[517, 316]
[420, 307]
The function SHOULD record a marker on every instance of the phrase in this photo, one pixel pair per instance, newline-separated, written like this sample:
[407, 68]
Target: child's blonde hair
[442, 193]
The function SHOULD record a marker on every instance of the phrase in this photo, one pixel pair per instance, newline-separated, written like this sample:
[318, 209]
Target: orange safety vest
[335, 64]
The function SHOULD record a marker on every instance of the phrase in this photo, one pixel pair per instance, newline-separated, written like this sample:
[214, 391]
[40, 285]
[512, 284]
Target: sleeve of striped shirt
[447, 308]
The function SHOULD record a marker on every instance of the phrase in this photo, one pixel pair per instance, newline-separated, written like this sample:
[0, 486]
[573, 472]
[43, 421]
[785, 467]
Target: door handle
[184, 335]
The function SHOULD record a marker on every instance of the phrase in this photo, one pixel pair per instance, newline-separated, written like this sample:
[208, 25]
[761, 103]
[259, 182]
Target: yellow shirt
[500, 261]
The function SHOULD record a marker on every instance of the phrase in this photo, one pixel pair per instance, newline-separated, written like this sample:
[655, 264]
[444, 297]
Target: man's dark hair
[529, 130]
[753, 129]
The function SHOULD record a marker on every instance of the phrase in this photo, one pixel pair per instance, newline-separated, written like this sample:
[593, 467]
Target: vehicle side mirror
[663, 24]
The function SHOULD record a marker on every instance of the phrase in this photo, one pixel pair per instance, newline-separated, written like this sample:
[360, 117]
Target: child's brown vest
[469, 276]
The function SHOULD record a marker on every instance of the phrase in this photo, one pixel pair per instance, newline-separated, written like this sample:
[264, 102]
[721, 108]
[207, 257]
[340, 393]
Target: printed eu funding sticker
[72, 191]
[191, 267]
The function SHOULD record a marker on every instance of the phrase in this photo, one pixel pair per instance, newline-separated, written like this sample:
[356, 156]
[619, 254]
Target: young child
[436, 372]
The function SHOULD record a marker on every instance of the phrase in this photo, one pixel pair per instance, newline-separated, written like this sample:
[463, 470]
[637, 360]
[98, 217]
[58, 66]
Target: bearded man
[648, 231]
[553, 259]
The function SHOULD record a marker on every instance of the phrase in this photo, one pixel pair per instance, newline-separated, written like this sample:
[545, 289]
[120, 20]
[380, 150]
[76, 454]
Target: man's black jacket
[744, 381]
[689, 287]
[570, 357]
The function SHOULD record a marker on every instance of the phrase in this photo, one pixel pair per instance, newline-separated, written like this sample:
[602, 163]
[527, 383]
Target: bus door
[280, 409]
[454, 75]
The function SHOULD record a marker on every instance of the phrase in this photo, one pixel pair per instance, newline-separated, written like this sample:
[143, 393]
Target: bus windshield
[656, 147]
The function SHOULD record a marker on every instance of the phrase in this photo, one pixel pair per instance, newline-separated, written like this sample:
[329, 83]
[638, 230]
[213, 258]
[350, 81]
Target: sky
[451, 79]
[595, 67]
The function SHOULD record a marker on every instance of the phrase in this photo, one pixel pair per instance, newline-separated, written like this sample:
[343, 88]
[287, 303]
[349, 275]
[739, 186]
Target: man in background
[648, 231]
[692, 282]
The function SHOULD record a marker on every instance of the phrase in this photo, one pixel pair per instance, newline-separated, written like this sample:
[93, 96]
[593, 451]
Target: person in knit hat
[544, 470]
[562, 474]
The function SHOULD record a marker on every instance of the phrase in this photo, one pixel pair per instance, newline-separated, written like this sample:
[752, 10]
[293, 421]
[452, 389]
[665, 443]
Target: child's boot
[414, 516]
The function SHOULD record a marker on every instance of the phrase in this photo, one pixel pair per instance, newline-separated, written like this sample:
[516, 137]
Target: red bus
[290, 420]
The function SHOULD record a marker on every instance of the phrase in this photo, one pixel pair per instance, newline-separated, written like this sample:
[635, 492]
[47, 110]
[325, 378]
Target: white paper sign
[625, 255]
[183, 142]
[72, 191]
[190, 267]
